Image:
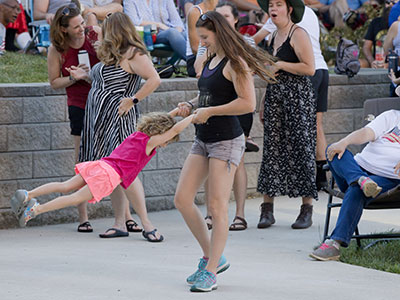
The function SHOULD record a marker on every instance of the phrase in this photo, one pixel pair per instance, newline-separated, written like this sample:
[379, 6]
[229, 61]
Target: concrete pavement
[56, 262]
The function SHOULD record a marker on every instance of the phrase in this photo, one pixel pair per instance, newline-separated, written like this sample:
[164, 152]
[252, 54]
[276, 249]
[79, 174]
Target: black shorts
[76, 115]
[320, 82]
[246, 121]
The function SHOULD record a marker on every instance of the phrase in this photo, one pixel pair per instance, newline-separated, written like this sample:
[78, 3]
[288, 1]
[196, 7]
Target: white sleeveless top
[188, 48]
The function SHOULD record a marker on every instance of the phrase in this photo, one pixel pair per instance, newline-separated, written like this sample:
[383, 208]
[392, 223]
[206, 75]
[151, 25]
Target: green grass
[382, 256]
[22, 68]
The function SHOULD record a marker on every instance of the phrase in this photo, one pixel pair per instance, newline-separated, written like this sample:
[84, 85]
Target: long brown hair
[61, 19]
[235, 47]
[119, 35]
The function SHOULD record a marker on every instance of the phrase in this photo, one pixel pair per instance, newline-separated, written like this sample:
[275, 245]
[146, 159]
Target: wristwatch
[135, 100]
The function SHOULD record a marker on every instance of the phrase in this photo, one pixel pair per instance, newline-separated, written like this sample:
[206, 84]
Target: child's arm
[157, 140]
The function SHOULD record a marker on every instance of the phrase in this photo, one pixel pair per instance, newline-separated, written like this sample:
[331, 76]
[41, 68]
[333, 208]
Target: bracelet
[72, 78]
[191, 104]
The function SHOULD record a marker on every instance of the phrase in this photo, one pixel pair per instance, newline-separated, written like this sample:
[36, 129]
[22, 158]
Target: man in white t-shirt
[9, 10]
[320, 82]
[361, 178]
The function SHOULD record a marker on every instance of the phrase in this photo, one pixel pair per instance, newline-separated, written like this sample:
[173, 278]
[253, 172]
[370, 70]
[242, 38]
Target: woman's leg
[240, 188]
[82, 208]
[74, 183]
[220, 185]
[175, 39]
[135, 194]
[208, 217]
[118, 202]
[192, 176]
[76, 198]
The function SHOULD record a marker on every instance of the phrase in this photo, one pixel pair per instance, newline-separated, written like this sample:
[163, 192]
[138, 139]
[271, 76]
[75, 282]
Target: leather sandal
[238, 224]
[85, 227]
[209, 225]
[132, 226]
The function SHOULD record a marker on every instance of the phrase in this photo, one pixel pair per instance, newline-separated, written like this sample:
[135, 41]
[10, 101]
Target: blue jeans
[175, 39]
[346, 172]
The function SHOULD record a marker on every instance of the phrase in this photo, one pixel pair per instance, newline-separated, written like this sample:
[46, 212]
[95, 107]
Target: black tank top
[216, 90]
[285, 52]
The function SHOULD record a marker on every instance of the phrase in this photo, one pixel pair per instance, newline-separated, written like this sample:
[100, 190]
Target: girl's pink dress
[121, 167]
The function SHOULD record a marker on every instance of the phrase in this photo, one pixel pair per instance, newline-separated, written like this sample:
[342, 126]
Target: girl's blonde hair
[119, 35]
[155, 123]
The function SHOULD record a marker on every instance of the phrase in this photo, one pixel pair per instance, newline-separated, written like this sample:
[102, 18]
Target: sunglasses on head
[390, 1]
[67, 10]
[204, 17]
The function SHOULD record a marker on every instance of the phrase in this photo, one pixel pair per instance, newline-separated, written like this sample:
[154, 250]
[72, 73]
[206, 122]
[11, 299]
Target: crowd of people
[113, 142]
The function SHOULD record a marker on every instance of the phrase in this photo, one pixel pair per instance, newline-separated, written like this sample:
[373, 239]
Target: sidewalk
[57, 263]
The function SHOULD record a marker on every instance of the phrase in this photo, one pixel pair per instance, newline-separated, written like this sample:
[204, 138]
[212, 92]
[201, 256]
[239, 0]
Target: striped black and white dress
[103, 128]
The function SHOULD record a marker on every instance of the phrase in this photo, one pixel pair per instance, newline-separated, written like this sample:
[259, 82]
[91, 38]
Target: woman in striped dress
[111, 111]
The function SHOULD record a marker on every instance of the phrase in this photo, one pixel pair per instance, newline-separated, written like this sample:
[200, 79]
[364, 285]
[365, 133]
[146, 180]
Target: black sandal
[238, 224]
[132, 226]
[85, 227]
[209, 226]
[153, 233]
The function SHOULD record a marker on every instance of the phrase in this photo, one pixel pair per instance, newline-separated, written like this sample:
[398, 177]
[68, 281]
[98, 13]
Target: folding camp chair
[40, 32]
[387, 200]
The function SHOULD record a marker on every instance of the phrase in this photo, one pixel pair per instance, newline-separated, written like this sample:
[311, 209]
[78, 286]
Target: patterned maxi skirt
[288, 162]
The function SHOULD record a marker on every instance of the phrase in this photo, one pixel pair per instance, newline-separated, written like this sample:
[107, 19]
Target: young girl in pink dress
[95, 180]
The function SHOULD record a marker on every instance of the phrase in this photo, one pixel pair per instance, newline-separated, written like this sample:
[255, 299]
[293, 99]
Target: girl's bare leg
[70, 185]
[220, 186]
[76, 198]
[192, 176]
[135, 194]
[208, 214]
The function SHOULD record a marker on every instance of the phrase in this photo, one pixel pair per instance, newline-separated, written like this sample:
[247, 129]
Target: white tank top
[188, 48]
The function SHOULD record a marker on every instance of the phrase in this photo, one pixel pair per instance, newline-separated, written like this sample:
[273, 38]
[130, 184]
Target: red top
[129, 158]
[78, 92]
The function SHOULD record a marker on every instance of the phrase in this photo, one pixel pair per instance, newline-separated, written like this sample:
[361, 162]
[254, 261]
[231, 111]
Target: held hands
[336, 148]
[201, 115]
[184, 109]
[124, 106]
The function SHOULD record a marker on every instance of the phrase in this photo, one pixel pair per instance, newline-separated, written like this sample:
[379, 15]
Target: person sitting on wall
[363, 177]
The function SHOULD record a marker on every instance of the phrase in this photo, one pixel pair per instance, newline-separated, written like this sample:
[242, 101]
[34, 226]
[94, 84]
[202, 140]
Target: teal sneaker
[29, 212]
[206, 282]
[223, 265]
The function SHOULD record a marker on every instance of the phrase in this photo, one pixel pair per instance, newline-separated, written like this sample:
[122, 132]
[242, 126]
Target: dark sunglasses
[16, 7]
[204, 17]
[67, 10]
[390, 2]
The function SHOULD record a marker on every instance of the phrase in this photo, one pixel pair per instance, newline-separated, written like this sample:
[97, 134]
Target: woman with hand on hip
[289, 117]
[111, 112]
[226, 90]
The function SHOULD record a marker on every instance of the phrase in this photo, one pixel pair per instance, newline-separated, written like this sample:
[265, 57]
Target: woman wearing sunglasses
[69, 36]
[226, 91]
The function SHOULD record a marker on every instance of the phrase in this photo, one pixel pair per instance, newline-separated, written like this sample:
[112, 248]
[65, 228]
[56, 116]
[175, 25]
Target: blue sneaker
[223, 265]
[206, 282]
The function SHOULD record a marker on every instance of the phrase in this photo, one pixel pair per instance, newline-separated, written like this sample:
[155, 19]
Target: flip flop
[85, 227]
[117, 233]
[153, 233]
[132, 226]
[19, 201]
[238, 224]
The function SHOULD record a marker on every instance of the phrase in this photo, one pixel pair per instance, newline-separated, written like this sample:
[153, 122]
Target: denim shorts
[230, 151]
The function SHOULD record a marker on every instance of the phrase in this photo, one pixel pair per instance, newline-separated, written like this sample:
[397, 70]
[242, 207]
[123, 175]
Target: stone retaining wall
[36, 146]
